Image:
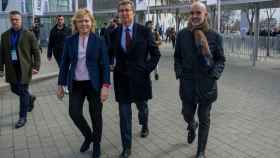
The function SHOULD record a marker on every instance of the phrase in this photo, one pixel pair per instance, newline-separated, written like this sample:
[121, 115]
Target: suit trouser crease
[76, 101]
[125, 114]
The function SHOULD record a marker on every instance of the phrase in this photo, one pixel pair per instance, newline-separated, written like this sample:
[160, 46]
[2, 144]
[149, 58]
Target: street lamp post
[33, 10]
[256, 34]
[219, 15]
[148, 10]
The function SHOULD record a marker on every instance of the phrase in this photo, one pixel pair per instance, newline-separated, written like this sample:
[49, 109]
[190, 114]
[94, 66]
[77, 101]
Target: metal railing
[234, 45]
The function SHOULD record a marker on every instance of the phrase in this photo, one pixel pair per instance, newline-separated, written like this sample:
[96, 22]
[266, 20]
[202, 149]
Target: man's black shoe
[96, 150]
[21, 122]
[192, 132]
[31, 106]
[144, 132]
[200, 155]
[126, 153]
[85, 146]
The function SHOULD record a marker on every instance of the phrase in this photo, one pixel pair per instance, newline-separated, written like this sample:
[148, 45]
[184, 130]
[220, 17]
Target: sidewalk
[244, 121]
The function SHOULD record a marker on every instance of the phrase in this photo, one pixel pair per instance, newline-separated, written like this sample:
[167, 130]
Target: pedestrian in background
[57, 37]
[156, 36]
[173, 36]
[85, 68]
[103, 30]
[114, 23]
[20, 55]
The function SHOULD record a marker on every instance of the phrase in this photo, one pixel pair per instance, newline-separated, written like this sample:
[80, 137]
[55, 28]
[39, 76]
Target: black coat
[56, 40]
[132, 70]
[198, 80]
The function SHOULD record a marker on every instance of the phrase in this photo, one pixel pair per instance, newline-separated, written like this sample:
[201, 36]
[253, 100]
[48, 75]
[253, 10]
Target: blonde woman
[85, 67]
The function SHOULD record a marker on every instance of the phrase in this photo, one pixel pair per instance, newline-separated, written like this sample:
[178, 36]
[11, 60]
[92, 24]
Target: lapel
[134, 37]
[91, 45]
[119, 37]
[75, 47]
[8, 39]
[20, 37]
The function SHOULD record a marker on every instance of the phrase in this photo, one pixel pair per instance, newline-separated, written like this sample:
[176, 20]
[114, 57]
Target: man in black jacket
[136, 55]
[112, 26]
[199, 63]
[56, 39]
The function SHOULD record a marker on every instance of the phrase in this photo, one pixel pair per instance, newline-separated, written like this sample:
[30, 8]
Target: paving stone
[244, 121]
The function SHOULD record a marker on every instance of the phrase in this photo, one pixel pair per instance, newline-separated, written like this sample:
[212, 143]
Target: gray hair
[126, 2]
[14, 12]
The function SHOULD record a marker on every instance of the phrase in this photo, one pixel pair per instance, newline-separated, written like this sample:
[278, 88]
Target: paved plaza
[245, 119]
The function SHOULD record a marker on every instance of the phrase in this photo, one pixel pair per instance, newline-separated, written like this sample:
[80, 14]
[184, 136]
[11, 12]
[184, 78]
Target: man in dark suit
[20, 56]
[199, 63]
[136, 55]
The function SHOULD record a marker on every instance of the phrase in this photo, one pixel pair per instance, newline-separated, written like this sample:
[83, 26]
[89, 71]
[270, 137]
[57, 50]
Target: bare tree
[250, 14]
[227, 20]
[269, 13]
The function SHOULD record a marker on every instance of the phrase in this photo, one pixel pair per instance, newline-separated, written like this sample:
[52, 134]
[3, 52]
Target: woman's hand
[104, 94]
[60, 92]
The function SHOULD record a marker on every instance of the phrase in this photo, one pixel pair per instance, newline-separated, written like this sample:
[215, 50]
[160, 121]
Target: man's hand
[104, 94]
[60, 92]
[34, 71]
[1, 74]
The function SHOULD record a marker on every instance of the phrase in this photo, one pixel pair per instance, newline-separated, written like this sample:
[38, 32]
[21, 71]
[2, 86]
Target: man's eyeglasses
[125, 10]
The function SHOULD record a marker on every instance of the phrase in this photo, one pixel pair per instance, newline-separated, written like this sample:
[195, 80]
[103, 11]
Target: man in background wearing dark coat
[56, 39]
[199, 63]
[136, 55]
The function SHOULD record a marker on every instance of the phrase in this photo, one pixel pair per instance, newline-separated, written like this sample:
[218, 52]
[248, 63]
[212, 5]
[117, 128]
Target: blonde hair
[81, 13]
[126, 2]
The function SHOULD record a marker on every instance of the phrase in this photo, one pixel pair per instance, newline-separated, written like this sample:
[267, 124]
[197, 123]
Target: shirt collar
[130, 27]
[85, 36]
[14, 31]
[61, 28]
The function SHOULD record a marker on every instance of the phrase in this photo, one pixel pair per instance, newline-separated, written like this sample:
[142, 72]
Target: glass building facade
[103, 10]
[60, 5]
[105, 4]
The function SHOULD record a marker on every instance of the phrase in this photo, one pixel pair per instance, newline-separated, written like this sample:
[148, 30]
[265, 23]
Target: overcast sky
[276, 15]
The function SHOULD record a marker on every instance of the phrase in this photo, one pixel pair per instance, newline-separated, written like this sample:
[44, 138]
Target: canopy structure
[241, 4]
[184, 7]
[226, 4]
[252, 4]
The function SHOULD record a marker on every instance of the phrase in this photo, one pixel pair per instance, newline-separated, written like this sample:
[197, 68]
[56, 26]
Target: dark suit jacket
[28, 54]
[198, 79]
[132, 71]
[97, 61]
